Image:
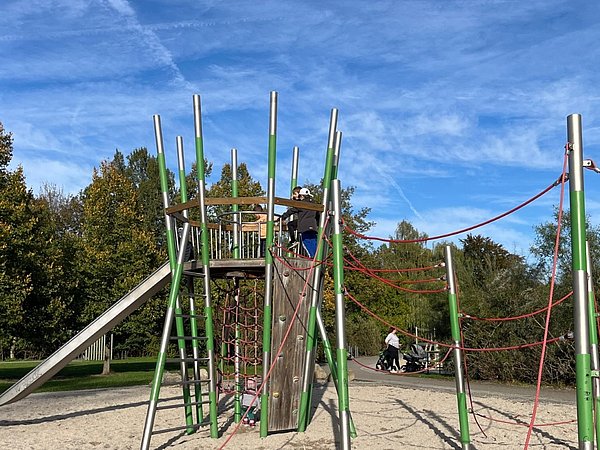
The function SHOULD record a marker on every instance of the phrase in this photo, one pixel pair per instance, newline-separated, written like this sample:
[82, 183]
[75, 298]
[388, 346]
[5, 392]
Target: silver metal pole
[295, 159]
[340, 319]
[583, 389]
[458, 358]
[595, 359]
[264, 426]
[316, 291]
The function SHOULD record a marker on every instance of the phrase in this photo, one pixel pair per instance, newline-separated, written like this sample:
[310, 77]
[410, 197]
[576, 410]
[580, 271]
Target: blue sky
[452, 111]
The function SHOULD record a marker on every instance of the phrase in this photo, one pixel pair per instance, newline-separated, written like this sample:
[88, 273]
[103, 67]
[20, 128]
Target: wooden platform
[229, 268]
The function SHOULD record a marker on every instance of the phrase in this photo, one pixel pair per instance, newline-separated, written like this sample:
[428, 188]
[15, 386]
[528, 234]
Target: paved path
[478, 388]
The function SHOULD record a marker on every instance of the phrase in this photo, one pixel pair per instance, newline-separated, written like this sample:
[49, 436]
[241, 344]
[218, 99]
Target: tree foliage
[64, 259]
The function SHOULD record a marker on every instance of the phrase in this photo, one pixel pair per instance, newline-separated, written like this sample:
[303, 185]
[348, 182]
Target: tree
[118, 251]
[34, 305]
[247, 187]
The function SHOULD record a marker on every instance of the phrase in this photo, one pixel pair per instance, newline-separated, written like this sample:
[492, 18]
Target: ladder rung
[179, 405]
[185, 427]
[176, 360]
[181, 383]
[189, 338]
[193, 273]
[193, 294]
[179, 397]
[188, 316]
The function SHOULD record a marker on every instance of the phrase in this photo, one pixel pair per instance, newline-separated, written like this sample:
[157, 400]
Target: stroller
[416, 359]
[383, 362]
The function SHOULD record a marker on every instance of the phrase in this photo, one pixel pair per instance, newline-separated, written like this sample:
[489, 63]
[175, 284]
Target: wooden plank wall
[286, 377]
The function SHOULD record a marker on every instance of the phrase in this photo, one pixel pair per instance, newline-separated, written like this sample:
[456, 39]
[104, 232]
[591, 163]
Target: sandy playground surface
[386, 417]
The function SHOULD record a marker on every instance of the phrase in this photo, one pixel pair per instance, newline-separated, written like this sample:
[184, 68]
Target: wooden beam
[244, 201]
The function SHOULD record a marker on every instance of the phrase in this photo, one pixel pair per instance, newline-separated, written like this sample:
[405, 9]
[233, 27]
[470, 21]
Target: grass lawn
[85, 374]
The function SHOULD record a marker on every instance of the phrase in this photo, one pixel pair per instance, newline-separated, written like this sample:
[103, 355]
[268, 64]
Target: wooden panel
[286, 377]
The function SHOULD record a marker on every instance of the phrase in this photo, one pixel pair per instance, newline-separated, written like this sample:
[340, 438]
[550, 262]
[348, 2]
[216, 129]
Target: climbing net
[240, 324]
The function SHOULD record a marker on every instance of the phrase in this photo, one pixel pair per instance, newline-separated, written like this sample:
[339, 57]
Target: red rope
[279, 350]
[442, 344]
[374, 369]
[365, 270]
[464, 230]
[523, 316]
[549, 311]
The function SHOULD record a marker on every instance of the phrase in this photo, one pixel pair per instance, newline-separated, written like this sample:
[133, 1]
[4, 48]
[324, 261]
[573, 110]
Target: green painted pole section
[235, 208]
[178, 311]
[340, 319]
[461, 399]
[174, 291]
[208, 311]
[267, 309]
[304, 413]
[593, 329]
[190, 282]
[585, 416]
[237, 397]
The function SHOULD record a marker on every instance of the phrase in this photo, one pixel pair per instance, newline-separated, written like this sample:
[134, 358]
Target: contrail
[399, 189]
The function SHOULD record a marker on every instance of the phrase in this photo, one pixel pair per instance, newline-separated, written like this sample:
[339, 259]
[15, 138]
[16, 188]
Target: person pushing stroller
[392, 350]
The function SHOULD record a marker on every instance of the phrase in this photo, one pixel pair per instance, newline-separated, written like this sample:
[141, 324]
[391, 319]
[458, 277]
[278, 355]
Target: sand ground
[386, 417]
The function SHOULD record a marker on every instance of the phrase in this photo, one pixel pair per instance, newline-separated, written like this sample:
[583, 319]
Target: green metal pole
[340, 319]
[304, 413]
[173, 294]
[235, 207]
[461, 398]
[178, 310]
[593, 325]
[208, 311]
[267, 310]
[237, 398]
[583, 374]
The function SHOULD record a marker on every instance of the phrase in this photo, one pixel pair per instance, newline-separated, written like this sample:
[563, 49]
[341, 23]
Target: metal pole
[311, 338]
[267, 311]
[190, 286]
[336, 154]
[295, 158]
[235, 207]
[595, 361]
[461, 398]
[160, 362]
[208, 311]
[340, 318]
[332, 363]
[326, 344]
[237, 407]
[178, 311]
[585, 417]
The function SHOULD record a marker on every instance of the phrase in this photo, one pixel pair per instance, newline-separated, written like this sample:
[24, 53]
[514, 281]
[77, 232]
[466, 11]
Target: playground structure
[230, 261]
[223, 338]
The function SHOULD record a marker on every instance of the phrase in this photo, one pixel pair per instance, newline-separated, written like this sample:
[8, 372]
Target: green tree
[247, 187]
[34, 308]
[118, 251]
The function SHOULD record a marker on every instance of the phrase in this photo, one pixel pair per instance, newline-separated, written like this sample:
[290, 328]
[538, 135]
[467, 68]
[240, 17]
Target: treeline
[64, 259]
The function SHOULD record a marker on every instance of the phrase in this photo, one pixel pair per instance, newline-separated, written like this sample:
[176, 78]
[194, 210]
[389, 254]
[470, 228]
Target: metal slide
[78, 343]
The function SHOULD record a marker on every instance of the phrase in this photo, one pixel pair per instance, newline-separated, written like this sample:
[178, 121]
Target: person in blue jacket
[308, 222]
